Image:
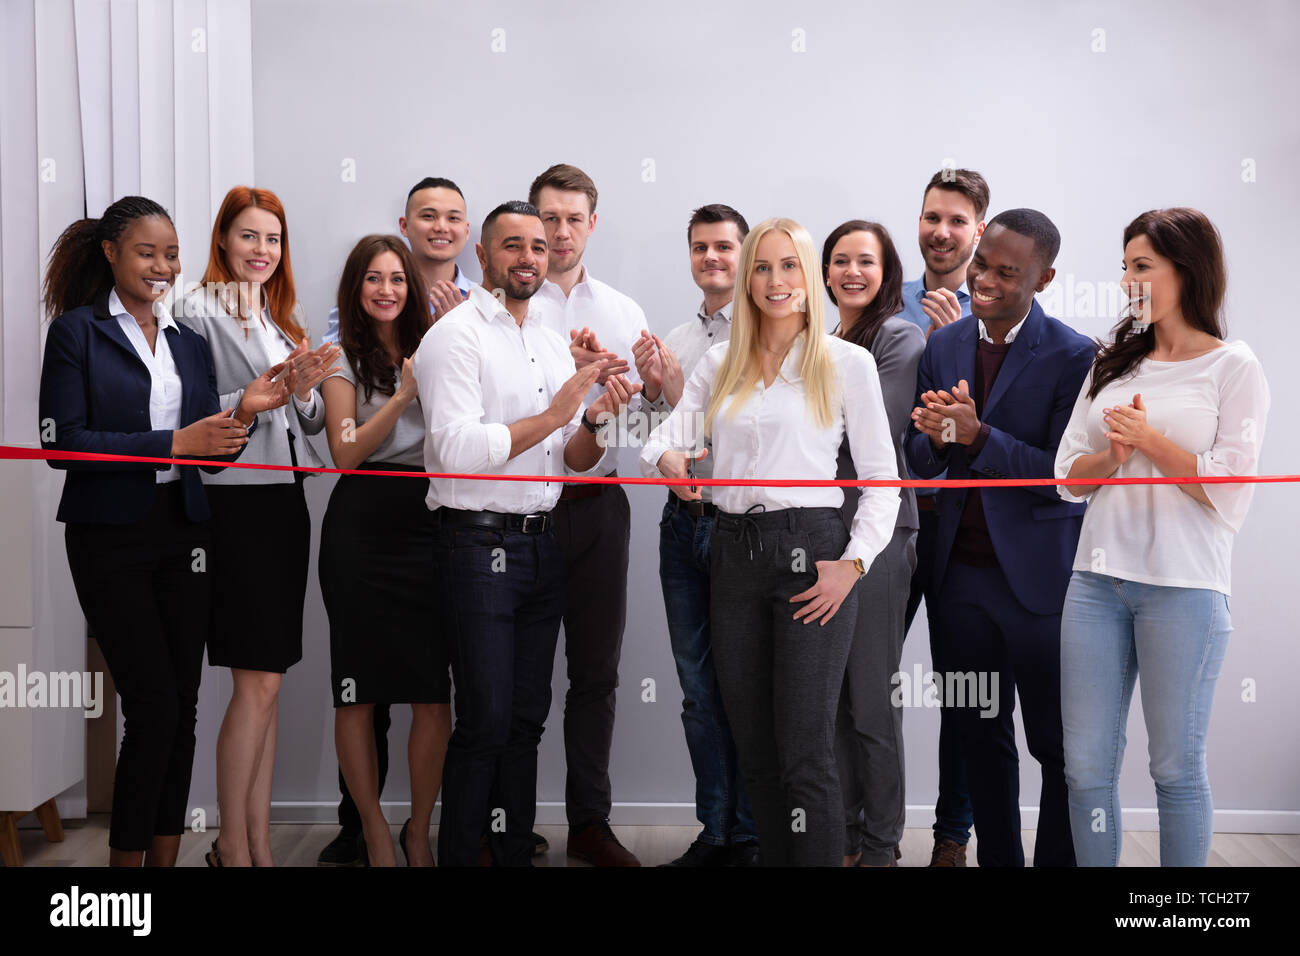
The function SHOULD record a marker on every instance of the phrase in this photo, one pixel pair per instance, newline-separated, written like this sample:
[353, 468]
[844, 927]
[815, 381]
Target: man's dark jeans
[720, 801]
[504, 595]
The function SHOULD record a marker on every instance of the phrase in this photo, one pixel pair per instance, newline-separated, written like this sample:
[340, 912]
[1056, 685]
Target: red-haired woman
[248, 312]
[120, 376]
[376, 548]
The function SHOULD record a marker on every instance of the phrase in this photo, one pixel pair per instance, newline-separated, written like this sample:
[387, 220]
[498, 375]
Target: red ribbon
[42, 454]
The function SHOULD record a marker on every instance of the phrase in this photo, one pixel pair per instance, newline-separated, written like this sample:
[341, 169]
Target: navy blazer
[1035, 533]
[95, 393]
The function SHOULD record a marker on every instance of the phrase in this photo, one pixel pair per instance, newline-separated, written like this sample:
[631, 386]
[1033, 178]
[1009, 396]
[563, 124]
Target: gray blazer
[897, 351]
[238, 359]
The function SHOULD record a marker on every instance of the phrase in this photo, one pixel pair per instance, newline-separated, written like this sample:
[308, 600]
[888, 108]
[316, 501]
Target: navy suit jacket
[95, 391]
[1035, 533]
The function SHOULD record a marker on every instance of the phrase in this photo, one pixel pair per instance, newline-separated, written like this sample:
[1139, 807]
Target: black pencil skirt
[387, 639]
[261, 550]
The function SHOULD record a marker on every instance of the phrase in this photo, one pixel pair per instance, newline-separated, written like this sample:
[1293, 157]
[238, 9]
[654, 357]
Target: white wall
[727, 111]
[715, 96]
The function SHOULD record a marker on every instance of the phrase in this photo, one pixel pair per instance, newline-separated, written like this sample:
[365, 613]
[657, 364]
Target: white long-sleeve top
[478, 372]
[773, 435]
[1214, 406]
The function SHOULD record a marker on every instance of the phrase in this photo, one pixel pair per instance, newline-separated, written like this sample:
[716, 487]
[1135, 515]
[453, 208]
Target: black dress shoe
[346, 849]
[703, 854]
[744, 854]
[401, 840]
[540, 846]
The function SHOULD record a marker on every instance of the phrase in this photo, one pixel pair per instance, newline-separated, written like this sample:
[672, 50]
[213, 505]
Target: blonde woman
[777, 402]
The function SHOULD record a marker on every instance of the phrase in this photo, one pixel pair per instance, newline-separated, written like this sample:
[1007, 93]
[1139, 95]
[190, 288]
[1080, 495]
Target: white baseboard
[683, 814]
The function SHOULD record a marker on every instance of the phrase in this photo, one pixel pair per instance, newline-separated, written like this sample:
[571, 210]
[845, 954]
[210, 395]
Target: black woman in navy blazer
[120, 376]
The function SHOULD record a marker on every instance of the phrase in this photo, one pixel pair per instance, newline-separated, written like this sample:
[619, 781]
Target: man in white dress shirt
[501, 396]
[593, 522]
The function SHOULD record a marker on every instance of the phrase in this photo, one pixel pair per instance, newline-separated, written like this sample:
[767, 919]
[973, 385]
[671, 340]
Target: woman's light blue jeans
[1176, 637]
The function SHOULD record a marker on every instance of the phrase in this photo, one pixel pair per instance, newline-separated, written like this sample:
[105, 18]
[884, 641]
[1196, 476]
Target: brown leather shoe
[948, 853]
[596, 844]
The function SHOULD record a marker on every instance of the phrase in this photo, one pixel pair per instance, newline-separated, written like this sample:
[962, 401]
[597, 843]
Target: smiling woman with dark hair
[376, 549]
[1167, 396]
[864, 279]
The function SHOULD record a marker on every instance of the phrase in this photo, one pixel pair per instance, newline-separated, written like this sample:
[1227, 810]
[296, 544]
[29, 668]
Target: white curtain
[98, 99]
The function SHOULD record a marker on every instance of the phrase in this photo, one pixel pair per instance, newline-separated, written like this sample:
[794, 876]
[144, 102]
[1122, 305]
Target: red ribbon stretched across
[39, 454]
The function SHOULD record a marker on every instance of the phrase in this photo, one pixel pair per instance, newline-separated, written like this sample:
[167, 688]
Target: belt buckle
[537, 528]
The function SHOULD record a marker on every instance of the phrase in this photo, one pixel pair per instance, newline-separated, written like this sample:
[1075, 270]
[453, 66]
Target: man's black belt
[527, 524]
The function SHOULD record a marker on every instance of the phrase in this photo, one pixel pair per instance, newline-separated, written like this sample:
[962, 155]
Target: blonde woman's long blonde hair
[742, 367]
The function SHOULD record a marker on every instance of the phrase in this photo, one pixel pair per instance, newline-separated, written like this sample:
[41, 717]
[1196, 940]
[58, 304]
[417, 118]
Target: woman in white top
[777, 401]
[246, 309]
[387, 645]
[1151, 576]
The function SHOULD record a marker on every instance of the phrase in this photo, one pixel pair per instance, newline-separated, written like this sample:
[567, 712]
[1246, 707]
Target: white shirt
[773, 435]
[615, 318]
[689, 341]
[277, 349]
[1213, 406]
[1011, 336]
[164, 380]
[478, 372]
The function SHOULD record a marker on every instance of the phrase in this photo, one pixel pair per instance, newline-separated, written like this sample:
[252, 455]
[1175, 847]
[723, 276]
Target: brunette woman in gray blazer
[864, 278]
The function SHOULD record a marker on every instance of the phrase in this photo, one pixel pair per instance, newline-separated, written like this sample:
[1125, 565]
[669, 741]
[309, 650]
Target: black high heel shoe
[401, 839]
[213, 857]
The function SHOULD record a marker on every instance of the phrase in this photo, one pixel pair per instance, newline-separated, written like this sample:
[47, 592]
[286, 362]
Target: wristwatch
[857, 563]
[586, 423]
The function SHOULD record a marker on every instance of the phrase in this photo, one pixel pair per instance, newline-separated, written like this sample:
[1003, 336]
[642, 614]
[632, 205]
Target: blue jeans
[1111, 628]
[503, 594]
[720, 801]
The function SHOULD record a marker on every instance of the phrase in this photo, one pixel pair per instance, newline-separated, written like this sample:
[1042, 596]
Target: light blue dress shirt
[913, 293]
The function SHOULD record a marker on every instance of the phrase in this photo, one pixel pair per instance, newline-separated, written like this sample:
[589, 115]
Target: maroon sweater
[973, 545]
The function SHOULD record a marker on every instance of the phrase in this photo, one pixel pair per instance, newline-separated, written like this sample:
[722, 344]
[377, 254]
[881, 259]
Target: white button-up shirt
[615, 318]
[478, 372]
[164, 380]
[1011, 336]
[773, 435]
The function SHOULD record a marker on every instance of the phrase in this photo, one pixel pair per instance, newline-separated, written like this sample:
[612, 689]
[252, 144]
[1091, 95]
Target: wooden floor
[86, 844]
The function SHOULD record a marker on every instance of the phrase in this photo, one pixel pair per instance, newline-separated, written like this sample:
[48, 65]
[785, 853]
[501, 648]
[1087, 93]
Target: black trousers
[503, 594]
[349, 818]
[144, 589]
[781, 678]
[985, 635]
[593, 534]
